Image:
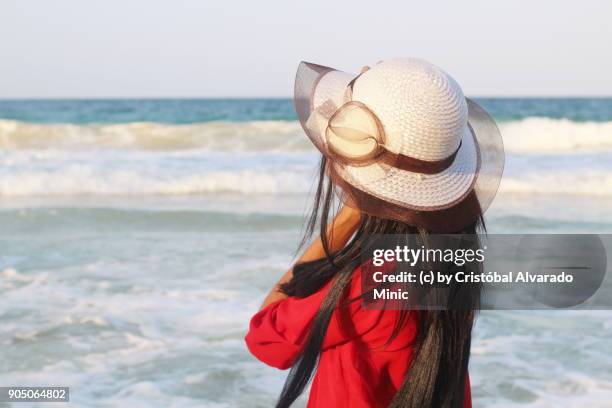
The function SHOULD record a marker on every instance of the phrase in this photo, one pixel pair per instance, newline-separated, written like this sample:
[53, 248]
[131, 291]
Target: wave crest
[88, 181]
[531, 135]
[551, 136]
[222, 136]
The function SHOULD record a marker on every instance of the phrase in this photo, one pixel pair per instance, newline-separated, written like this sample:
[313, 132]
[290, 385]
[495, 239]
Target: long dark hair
[437, 374]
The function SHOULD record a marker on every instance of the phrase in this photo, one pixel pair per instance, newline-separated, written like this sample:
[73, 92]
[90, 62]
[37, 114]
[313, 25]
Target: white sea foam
[11, 274]
[544, 156]
[546, 136]
[98, 178]
[530, 135]
[222, 136]
[584, 183]
[88, 181]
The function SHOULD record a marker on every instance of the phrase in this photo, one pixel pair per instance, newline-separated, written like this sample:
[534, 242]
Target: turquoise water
[180, 111]
[139, 236]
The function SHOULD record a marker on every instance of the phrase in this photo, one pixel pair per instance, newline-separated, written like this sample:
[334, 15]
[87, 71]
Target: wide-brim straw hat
[403, 142]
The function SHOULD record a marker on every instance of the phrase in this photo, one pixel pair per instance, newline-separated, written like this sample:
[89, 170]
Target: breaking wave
[530, 135]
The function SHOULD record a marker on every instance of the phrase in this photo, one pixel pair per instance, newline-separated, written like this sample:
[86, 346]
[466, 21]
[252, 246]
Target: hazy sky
[209, 48]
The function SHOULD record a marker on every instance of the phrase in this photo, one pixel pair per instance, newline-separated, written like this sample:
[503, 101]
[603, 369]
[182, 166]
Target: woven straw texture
[424, 115]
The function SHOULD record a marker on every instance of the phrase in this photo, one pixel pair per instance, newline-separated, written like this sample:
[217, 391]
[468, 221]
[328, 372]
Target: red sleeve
[277, 333]
[467, 399]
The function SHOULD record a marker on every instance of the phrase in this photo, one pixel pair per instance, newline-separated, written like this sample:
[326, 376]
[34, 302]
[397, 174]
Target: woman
[408, 154]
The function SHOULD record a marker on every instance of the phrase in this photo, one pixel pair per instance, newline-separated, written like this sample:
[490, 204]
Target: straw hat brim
[443, 201]
[417, 191]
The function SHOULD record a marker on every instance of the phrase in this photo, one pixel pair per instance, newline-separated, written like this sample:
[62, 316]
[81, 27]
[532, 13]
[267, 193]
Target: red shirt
[356, 369]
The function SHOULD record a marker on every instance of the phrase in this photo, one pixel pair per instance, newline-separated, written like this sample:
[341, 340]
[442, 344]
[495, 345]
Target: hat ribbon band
[415, 165]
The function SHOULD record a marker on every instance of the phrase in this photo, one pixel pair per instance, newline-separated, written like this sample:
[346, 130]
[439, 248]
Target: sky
[251, 48]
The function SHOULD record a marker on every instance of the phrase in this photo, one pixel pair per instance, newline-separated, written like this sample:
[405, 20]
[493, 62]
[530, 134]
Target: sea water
[137, 237]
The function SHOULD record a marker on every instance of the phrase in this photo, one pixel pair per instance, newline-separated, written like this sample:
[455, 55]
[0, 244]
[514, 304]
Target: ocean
[139, 236]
